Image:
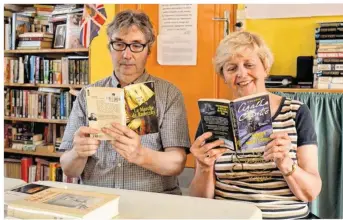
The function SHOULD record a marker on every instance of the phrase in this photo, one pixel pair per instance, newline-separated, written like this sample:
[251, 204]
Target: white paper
[176, 50]
[177, 39]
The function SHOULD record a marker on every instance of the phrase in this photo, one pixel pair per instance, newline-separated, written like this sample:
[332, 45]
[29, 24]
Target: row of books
[31, 170]
[34, 137]
[328, 61]
[329, 40]
[38, 104]
[40, 18]
[35, 40]
[38, 69]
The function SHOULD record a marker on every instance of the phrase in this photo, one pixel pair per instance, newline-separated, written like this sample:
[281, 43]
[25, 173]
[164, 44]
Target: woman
[284, 176]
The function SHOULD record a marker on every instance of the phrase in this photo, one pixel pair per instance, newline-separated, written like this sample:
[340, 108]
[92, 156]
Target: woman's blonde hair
[237, 43]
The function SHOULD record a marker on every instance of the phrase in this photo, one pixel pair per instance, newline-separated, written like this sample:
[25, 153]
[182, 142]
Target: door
[198, 81]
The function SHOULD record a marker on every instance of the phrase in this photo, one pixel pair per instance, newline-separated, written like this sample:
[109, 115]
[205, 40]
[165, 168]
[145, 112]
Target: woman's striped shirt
[247, 177]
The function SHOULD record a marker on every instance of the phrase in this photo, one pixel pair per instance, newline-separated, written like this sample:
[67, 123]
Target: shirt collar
[142, 78]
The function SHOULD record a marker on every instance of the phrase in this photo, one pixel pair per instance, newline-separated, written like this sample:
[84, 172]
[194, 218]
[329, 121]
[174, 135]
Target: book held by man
[44, 202]
[134, 106]
[243, 123]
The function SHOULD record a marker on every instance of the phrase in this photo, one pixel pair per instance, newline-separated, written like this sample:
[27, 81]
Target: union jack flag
[94, 16]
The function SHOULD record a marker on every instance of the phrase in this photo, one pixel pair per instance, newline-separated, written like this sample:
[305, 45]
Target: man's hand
[83, 145]
[127, 143]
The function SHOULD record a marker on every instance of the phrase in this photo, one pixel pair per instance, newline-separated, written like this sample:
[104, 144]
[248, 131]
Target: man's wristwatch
[294, 167]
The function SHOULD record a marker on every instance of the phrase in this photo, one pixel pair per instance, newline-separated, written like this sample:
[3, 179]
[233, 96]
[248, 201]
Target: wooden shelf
[53, 121]
[304, 90]
[45, 154]
[44, 85]
[76, 50]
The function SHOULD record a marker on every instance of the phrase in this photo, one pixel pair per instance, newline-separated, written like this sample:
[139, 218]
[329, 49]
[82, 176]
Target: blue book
[243, 123]
[32, 69]
[62, 105]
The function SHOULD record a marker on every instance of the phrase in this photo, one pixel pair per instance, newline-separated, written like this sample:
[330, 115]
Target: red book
[26, 162]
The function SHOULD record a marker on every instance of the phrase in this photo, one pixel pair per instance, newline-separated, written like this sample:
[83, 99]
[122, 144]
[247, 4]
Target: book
[20, 25]
[243, 123]
[73, 31]
[134, 106]
[46, 202]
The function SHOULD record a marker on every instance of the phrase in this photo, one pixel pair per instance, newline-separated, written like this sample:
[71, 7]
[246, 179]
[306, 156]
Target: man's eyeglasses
[121, 46]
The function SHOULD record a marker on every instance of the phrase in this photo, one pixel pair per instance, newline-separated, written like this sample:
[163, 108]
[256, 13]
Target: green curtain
[327, 113]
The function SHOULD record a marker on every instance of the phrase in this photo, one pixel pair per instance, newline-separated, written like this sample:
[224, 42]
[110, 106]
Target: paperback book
[243, 123]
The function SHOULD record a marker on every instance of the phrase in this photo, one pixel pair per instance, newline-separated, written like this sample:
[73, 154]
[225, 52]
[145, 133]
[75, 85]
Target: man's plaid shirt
[107, 168]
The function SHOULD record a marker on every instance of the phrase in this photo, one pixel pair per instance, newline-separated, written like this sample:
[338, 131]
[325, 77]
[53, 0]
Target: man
[149, 162]
[92, 117]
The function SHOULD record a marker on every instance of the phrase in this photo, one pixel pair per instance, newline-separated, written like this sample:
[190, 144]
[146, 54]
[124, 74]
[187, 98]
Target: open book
[44, 202]
[243, 123]
[134, 106]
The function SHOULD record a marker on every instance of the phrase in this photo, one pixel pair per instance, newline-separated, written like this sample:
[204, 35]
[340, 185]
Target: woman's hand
[205, 154]
[278, 151]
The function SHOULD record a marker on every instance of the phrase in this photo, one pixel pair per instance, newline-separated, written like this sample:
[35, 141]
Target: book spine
[41, 70]
[329, 41]
[329, 30]
[14, 36]
[331, 24]
[234, 125]
[25, 164]
[86, 72]
[329, 73]
[328, 36]
[37, 67]
[327, 61]
[323, 67]
[26, 69]
[46, 71]
[331, 55]
[51, 71]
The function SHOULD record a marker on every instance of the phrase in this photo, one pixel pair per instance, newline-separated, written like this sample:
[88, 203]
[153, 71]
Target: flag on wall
[94, 16]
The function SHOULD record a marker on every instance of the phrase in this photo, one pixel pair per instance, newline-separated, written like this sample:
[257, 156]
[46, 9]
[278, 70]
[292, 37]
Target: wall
[100, 60]
[288, 38]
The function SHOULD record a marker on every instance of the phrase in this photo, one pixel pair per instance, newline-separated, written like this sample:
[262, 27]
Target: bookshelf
[40, 84]
[60, 51]
[53, 121]
[43, 154]
[43, 85]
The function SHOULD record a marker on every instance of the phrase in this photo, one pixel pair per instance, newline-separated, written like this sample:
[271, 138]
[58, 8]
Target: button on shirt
[107, 168]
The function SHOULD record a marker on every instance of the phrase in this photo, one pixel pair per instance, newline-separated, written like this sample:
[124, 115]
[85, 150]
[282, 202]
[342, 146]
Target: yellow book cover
[141, 112]
[57, 203]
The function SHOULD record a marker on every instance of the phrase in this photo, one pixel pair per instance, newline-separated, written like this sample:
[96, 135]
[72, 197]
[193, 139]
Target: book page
[105, 106]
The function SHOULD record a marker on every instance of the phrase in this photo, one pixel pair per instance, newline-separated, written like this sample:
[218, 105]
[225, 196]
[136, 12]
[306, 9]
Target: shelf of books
[328, 60]
[44, 66]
